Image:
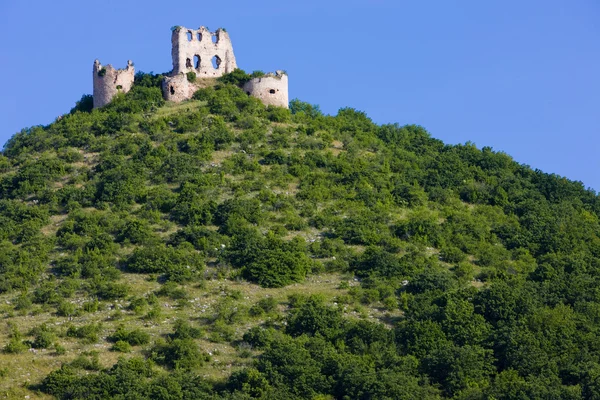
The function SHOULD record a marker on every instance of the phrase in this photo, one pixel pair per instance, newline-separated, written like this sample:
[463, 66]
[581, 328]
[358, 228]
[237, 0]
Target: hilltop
[221, 249]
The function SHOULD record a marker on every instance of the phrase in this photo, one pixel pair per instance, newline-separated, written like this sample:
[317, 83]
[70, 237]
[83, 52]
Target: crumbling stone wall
[109, 81]
[178, 88]
[208, 54]
[271, 89]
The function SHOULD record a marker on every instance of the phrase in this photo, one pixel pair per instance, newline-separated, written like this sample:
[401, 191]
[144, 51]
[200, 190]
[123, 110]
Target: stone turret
[109, 81]
[271, 89]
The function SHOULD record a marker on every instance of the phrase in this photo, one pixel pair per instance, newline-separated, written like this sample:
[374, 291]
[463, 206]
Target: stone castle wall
[109, 81]
[208, 54]
[271, 89]
[178, 88]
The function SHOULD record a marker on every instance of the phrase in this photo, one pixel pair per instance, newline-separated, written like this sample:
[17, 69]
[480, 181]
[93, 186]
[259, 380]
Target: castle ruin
[207, 55]
[109, 81]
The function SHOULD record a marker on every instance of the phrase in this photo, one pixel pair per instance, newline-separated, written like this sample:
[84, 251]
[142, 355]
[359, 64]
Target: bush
[65, 309]
[312, 316]
[173, 291]
[135, 337]
[264, 306]
[278, 114]
[237, 77]
[121, 346]
[183, 330]
[91, 306]
[15, 346]
[178, 264]
[85, 104]
[44, 337]
[452, 255]
[269, 261]
[191, 76]
[179, 354]
[87, 332]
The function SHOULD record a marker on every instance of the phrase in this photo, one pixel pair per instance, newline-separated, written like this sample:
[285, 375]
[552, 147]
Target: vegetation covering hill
[218, 249]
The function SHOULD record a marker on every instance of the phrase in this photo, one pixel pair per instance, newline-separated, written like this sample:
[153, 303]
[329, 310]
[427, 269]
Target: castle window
[216, 62]
[197, 61]
[199, 36]
[188, 63]
[272, 91]
[189, 36]
[215, 39]
[172, 90]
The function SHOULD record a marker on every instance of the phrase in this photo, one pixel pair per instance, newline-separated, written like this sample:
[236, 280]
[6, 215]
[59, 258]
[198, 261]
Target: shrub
[65, 309]
[172, 290]
[237, 77]
[278, 114]
[266, 305]
[310, 315]
[179, 354]
[183, 330]
[85, 104]
[91, 306]
[135, 337]
[87, 361]
[121, 346]
[43, 339]
[191, 76]
[148, 80]
[178, 264]
[269, 261]
[452, 255]
[23, 302]
[87, 332]
[15, 346]
[59, 350]
[249, 381]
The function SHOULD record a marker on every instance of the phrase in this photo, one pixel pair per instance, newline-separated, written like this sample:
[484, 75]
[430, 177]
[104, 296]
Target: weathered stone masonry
[206, 54]
[109, 81]
[271, 89]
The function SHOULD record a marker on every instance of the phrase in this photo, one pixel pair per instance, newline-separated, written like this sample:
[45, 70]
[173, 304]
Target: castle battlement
[208, 55]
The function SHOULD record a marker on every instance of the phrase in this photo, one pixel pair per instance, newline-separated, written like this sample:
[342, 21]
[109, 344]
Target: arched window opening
[197, 61]
[188, 63]
[172, 90]
[199, 36]
[215, 38]
[216, 62]
[189, 36]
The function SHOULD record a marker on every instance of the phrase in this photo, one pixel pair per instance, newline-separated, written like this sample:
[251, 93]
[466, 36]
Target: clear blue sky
[519, 76]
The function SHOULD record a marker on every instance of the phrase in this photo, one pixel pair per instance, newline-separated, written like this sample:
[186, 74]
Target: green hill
[218, 249]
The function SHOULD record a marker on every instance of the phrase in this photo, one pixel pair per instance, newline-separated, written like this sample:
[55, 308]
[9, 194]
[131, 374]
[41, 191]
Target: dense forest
[221, 249]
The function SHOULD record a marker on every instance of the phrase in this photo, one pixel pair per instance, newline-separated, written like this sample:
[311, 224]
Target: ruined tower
[109, 81]
[271, 89]
[206, 54]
